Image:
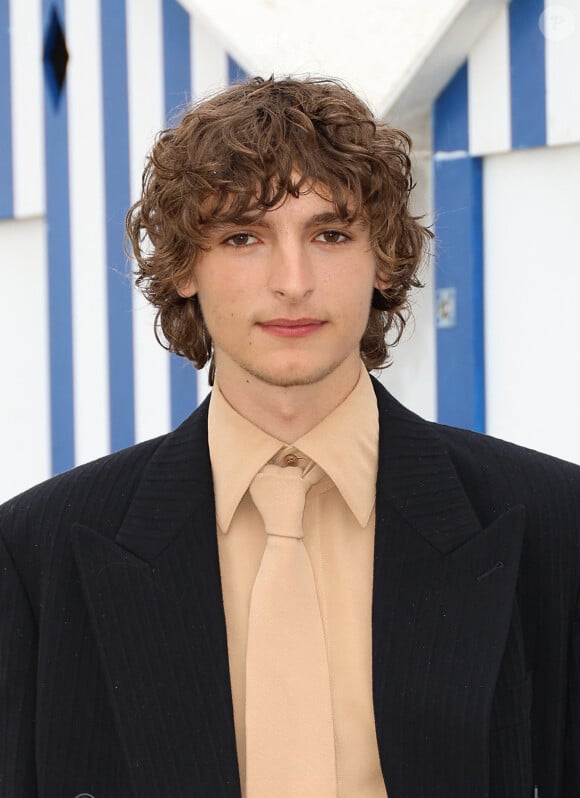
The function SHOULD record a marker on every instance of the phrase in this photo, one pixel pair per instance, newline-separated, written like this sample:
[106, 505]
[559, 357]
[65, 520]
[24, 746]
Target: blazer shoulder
[81, 494]
[494, 474]
[497, 474]
[510, 460]
[103, 487]
[36, 525]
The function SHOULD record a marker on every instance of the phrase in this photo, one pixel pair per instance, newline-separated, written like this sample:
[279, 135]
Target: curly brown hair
[241, 151]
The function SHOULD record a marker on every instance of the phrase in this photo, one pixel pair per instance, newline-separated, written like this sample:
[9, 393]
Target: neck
[287, 413]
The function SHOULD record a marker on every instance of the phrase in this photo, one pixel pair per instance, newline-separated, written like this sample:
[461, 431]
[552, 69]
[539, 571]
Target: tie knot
[280, 494]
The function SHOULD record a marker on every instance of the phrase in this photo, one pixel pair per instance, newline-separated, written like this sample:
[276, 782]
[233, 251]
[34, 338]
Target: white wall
[24, 355]
[24, 420]
[532, 298]
[27, 78]
[146, 118]
[391, 51]
[87, 228]
[25, 403]
[529, 195]
[412, 377]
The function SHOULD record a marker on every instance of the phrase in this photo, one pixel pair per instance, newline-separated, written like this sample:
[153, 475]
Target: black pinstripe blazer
[113, 660]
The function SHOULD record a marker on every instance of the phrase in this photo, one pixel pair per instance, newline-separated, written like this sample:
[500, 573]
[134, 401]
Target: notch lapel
[155, 602]
[443, 595]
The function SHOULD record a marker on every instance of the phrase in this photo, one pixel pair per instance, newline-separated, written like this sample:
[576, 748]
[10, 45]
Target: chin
[293, 375]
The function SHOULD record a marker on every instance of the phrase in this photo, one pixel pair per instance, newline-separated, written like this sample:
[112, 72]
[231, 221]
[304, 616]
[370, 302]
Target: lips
[292, 328]
[290, 322]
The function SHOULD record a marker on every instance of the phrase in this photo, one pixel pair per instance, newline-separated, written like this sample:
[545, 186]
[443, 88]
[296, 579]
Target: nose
[291, 273]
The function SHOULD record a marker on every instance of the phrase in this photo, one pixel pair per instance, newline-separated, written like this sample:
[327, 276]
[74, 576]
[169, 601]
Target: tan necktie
[289, 729]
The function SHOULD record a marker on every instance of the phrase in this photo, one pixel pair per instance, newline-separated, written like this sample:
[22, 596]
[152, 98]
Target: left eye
[240, 240]
[331, 237]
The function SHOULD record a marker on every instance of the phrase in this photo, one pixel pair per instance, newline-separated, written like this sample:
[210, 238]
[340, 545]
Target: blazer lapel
[443, 596]
[154, 595]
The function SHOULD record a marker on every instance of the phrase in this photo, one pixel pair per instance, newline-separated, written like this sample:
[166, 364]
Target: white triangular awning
[398, 54]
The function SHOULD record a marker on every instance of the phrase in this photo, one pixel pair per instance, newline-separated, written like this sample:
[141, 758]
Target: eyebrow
[328, 217]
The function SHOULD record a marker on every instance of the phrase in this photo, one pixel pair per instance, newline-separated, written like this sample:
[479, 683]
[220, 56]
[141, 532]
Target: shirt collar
[344, 445]
[238, 450]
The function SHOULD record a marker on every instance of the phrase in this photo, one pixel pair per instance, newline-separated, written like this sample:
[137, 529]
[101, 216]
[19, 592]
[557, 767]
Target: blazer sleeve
[18, 656]
[572, 743]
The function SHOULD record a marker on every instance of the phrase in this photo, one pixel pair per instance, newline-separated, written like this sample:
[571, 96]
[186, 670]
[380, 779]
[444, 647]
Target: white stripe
[146, 118]
[209, 62]
[489, 90]
[27, 107]
[25, 403]
[88, 241]
[531, 351]
[452, 155]
[562, 70]
[209, 74]
[203, 386]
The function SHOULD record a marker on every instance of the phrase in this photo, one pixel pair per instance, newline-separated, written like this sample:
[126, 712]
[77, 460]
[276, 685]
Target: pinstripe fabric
[18, 654]
[111, 605]
[548, 604]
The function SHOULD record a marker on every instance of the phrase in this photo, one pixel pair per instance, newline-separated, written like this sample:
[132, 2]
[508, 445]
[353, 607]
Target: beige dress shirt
[339, 520]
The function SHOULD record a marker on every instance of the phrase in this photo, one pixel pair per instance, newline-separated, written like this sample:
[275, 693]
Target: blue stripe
[177, 82]
[6, 177]
[176, 58]
[117, 200]
[235, 72]
[459, 267]
[528, 74]
[460, 353]
[59, 267]
[450, 123]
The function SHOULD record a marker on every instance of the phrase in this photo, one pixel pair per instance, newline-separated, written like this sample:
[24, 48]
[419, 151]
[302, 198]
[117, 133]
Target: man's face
[286, 299]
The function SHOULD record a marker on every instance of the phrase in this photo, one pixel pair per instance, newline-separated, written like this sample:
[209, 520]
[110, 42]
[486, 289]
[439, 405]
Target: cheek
[217, 317]
[221, 306]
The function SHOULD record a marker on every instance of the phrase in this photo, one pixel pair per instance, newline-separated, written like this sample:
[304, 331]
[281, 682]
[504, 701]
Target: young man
[305, 590]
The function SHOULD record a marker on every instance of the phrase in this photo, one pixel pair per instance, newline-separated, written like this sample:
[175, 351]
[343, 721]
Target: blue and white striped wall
[511, 110]
[82, 374]
[81, 371]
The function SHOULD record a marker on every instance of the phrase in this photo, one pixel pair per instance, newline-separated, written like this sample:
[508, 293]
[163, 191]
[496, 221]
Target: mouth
[292, 328]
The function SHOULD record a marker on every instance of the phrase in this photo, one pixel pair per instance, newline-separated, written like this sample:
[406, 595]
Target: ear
[380, 283]
[187, 287]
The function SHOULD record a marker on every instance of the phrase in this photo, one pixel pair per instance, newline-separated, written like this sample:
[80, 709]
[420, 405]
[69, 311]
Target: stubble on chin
[293, 377]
